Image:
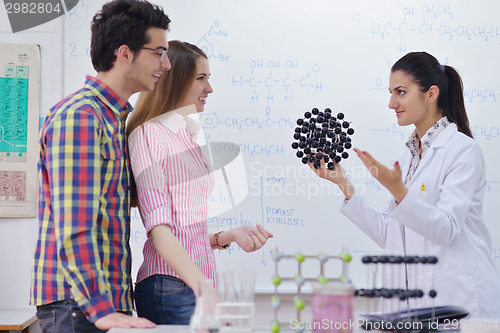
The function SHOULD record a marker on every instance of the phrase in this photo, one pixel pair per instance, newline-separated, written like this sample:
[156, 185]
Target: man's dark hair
[122, 22]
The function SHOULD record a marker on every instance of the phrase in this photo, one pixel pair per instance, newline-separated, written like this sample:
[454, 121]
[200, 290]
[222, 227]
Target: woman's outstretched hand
[336, 176]
[389, 178]
[249, 237]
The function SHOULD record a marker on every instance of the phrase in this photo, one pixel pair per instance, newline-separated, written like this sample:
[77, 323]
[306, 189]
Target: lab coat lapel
[440, 142]
[421, 166]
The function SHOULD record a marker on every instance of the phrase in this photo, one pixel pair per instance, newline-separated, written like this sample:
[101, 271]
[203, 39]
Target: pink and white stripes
[174, 180]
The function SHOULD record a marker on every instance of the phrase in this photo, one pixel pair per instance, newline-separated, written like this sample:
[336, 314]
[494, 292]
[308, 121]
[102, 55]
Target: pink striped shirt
[174, 180]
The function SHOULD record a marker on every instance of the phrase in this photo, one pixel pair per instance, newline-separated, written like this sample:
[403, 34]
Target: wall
[270, 62]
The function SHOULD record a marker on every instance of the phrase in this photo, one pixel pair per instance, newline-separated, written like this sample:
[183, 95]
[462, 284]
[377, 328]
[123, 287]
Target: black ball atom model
[322, 136]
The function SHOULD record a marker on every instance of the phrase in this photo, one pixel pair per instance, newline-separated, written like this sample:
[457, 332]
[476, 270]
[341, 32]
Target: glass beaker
[205, 318]
[236, 307]
[332, 307]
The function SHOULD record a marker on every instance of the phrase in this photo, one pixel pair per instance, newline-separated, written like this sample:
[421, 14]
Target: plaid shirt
[83, 249]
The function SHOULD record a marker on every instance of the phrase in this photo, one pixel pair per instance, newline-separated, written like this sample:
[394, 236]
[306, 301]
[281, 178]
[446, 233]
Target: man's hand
[118, 319]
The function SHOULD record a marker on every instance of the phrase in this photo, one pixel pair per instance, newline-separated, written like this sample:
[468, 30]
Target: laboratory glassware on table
[231, 307]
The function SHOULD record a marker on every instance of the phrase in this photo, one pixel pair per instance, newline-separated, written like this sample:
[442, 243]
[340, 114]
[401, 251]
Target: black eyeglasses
[160, 52]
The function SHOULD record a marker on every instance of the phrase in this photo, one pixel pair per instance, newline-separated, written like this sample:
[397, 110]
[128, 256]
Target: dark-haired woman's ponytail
[454, 107]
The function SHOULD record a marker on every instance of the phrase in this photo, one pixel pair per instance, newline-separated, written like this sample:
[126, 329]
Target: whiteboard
[273, 60]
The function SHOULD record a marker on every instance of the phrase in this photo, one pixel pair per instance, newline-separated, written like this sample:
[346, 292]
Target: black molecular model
[402, 294]
[406, 320]
[321, 136]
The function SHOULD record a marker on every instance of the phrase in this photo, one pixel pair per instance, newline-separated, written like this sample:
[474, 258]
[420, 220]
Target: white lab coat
[446, 222]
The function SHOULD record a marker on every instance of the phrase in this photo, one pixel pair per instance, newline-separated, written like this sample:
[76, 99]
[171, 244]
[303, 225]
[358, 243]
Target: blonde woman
[174, 181]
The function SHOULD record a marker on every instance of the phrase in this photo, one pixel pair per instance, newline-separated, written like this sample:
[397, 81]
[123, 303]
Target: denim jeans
[164, 299]
[64, 317]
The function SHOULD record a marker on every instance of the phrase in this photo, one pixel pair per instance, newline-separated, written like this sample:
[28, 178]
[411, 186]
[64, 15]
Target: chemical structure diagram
[429, 20]
[266, 76]
[206, 46]
[210, 121]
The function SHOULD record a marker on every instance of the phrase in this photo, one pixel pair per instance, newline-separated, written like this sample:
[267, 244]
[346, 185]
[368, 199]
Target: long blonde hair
[172, 87]
[169, 92]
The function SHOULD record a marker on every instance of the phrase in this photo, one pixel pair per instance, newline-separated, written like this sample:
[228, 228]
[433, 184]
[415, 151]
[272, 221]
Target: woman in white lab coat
[435, 207]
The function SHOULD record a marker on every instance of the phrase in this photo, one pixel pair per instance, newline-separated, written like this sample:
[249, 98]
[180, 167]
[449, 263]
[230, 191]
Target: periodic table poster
[19, 112]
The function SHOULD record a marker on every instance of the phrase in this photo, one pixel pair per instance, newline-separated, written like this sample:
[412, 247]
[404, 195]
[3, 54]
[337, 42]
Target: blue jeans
[64, 317]
[164, 299]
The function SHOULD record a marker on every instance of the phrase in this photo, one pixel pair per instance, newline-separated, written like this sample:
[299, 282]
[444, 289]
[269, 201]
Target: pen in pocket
[422, 189]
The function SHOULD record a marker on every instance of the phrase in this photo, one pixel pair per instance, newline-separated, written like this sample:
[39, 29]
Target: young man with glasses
[81, 269]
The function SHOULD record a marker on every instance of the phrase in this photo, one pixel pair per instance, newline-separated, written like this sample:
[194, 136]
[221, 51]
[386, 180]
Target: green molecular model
[300, 257]
[275, 302]
[275, 327]
[299, 281]
[276, 280]
[321, 279]
[346, 257]
[299, 304]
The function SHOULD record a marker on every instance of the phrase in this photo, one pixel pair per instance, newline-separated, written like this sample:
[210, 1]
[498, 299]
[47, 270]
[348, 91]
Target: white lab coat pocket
[431, 197]
[455, 290]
